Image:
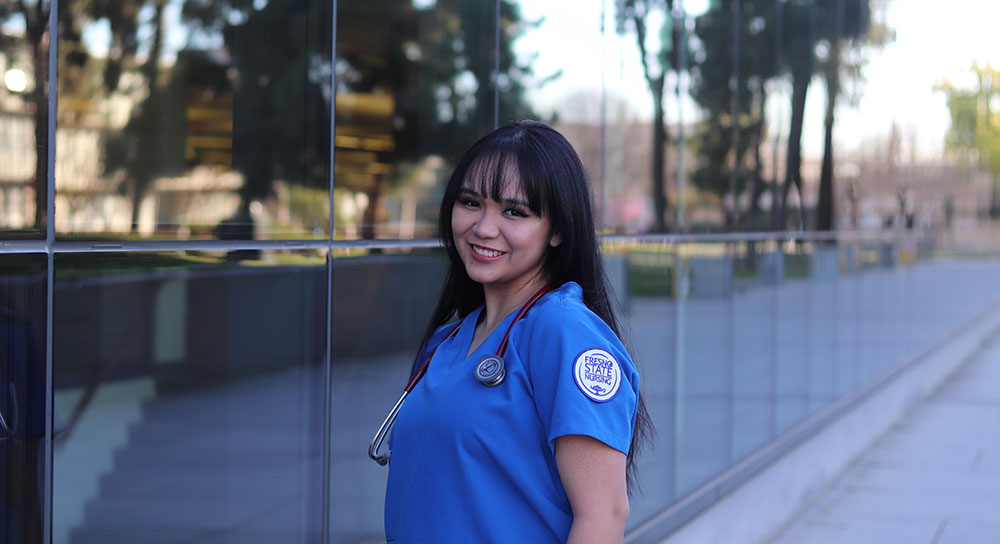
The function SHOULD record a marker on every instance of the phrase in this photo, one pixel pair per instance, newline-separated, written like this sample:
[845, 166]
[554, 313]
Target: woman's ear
[555, 240]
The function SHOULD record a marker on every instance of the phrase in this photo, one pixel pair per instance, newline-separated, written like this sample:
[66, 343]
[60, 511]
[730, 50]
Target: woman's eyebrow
[510, 201]
[516, 202]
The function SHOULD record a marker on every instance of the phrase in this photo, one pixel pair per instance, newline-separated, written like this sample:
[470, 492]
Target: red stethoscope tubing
[383, 429]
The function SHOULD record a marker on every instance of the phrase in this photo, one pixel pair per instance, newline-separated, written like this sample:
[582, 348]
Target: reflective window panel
[555, 70]
[191, 120]
[22, 397]
[792, 347]
[757, 280]
[848, 324]
[414, 90]
[191, 390]
[822, 325]
[24, 118]
[703, 430]
[644, 277]
[381, 304]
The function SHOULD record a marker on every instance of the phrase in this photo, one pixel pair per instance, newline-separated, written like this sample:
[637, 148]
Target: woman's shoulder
[563, 311]
[566, 297]
[561, 304]
[564, 335]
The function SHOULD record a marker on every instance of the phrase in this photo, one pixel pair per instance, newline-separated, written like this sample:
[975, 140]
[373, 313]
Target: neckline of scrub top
[467, 333]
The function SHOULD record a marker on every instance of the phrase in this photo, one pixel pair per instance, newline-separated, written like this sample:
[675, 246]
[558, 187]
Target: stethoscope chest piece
[490, 371]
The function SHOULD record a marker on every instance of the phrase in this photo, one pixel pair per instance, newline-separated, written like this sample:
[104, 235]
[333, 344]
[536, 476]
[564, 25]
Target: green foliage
[437, 65]
[711, 89]
[975, 123]
[975, 117]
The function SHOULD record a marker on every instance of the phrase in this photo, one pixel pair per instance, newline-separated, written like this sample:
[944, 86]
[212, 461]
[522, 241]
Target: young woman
[524, 422]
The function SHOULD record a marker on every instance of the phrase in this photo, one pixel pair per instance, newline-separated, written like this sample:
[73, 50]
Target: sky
[934, 39]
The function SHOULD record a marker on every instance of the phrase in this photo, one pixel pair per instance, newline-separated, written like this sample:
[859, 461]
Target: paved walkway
[933, 478]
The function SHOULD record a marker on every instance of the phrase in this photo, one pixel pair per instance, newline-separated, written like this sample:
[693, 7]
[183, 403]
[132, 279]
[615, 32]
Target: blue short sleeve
[583, 380]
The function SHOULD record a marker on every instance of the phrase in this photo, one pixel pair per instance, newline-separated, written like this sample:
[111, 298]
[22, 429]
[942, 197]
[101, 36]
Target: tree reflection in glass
[417, 83]
[24, 117]
[195, 118]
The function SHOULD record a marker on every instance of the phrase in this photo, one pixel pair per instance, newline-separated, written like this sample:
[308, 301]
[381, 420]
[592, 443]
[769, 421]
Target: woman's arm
[593, 475]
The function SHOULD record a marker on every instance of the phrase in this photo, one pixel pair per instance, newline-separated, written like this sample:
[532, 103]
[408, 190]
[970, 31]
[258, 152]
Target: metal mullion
[50, 232]
[15, 246]
[496, 68]
[420, 243]
[327, 432]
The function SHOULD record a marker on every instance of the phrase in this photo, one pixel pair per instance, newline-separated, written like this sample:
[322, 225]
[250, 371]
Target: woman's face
[502, 244]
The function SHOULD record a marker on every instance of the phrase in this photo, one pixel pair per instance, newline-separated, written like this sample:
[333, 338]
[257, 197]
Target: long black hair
[555, 185]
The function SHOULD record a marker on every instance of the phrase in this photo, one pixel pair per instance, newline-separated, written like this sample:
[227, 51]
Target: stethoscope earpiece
[491, 371]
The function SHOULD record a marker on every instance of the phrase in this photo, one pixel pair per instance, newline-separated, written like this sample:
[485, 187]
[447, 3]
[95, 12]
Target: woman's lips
[484, 253]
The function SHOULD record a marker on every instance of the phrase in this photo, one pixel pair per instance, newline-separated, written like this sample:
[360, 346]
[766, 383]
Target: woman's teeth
[486, 252]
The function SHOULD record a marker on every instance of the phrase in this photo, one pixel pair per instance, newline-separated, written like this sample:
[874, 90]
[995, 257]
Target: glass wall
[414, 88]
[741, 340]
[192, 120]
[24, 119]
[202, 337]
[189, 395]
[22, 397]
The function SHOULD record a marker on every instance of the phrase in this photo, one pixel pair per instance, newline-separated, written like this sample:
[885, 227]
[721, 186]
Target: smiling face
[502, 244]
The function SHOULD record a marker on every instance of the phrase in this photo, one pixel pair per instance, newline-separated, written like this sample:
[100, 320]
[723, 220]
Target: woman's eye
[472, 203]
[514, 212]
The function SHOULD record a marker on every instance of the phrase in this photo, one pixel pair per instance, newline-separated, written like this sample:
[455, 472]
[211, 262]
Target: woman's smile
[485, 253]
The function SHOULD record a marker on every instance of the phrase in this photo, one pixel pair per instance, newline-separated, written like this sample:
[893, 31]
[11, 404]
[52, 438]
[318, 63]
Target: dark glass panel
[22, 397]
[381, 305]
[849, 325]
[24, 118]
[414, 90]
[648, 316]
[192, 391]
[822, 328]
[194, 119]
[703, 431]
[756, 279]
[792, 340]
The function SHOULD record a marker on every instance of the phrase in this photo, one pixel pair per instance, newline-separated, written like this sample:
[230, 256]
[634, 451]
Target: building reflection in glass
[194, 119]
[23, 117]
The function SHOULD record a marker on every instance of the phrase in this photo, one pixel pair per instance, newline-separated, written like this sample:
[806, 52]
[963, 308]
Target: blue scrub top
[472, 463]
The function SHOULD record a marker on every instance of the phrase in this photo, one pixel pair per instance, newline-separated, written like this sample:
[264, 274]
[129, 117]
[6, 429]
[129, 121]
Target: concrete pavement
[934, 478]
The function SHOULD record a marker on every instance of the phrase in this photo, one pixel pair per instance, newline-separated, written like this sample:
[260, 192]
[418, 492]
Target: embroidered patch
[597, 374]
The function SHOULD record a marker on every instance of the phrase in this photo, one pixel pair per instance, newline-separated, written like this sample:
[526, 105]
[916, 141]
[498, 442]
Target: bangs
[495, 169]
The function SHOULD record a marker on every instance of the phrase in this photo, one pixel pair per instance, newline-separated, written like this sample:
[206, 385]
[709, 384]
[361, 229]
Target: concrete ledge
[755, 498]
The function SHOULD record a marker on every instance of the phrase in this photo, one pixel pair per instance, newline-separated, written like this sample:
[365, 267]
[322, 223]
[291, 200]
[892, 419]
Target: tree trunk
[995, 198]
[659, 158]
[40, 100]
[793, 164]
[825, 204]
[36, 26]
[151, 70]
[757, 180]
[136, 197]
[369, 218]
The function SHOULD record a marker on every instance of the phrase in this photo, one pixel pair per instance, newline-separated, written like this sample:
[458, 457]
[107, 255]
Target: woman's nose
[487, 226]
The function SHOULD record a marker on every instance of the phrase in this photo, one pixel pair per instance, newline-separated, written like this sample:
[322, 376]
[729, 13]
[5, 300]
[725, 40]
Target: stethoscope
[490, 371]
[7, 430]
